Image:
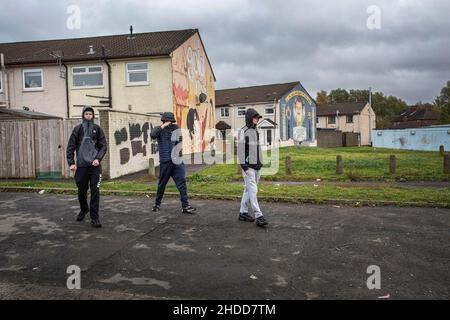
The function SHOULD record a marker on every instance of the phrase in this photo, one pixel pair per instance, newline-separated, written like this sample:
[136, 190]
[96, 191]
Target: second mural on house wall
[298, 116]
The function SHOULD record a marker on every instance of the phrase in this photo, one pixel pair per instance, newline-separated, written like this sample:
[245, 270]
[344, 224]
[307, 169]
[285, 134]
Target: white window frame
[1, 82]
[86, 67]
[241, 116]
[267, 107]
[36, 88]
[346, 119]
[136, 83]
[222, 113]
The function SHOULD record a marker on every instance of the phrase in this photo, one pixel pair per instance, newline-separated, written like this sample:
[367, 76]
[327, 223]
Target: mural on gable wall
[298, 116]
[192, 76]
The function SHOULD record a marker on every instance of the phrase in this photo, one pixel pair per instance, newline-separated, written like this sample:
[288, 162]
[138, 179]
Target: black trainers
[156, 208]
[81, 215]
[246, 217]
[261, 221]
[96, 223]
[188, 210]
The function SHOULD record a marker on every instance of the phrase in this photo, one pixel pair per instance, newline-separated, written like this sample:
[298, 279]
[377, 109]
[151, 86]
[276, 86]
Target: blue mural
[298, 116]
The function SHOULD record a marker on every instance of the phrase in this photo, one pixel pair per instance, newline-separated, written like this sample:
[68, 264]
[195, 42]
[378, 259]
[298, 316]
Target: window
[349, 119]
[1, 82]
[270, 110]
[224, 112]
[331, 119]
[241, 111]
[87, 77]
[32, 80]
[137, 73]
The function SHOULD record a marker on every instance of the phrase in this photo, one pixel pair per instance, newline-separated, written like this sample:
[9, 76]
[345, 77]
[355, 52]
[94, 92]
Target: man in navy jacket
[170, 163]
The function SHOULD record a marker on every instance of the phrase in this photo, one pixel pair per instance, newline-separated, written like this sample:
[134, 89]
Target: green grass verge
[360, 164]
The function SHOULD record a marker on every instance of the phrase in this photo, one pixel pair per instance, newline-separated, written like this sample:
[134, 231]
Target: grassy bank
[360, 164]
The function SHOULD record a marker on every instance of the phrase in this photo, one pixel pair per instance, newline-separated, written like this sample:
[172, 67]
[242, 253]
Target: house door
[269, 137]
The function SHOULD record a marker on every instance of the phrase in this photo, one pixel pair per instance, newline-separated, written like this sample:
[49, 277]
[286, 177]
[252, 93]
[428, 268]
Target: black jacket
[249, 150]
[76, 140]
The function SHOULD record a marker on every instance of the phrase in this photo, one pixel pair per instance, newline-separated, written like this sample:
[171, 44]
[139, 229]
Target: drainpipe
[5, 82]
[67, 89]
[109, 77]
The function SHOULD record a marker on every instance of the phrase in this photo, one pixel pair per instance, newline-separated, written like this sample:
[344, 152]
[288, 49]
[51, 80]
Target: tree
[321, 97]
[338, 96]
[442, 102]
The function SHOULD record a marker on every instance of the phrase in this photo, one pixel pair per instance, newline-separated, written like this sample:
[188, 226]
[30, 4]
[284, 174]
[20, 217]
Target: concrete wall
[51, 99]
[428, 138]
[129, 144]
[193, 75]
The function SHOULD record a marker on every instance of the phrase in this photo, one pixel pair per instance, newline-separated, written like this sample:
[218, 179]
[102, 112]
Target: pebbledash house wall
[129, 144]
[51, 99]
[155, 96]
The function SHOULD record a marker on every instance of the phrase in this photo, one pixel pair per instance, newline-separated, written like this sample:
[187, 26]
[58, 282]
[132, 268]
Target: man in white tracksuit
[250, 159]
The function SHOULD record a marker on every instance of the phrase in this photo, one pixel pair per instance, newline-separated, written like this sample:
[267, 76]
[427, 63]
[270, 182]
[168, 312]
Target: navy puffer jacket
[168, 138]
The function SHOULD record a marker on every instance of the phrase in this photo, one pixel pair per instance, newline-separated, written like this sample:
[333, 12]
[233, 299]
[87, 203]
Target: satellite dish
[202, 97]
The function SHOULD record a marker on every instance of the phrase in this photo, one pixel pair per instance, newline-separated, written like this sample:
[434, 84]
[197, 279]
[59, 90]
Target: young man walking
[89, 142]
[170, 163]
[250, 159]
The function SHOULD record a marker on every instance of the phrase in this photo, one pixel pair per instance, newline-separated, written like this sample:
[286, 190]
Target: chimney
[91, 50]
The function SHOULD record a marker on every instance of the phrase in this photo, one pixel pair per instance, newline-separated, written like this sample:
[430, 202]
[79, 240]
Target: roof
[347, 108]
[273, 123]
[20, 113]
[263, 93]
[159, 43]
[222, 125]
[414, 114]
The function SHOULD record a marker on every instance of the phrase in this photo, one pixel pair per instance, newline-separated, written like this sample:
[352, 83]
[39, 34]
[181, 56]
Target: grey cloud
[323, 44]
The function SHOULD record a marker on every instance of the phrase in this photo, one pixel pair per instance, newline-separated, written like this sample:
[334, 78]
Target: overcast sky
[323, 44]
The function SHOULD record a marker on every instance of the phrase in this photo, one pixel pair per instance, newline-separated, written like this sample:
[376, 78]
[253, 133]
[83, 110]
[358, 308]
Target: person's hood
[168, 116]
[249, 115]
[87, 108]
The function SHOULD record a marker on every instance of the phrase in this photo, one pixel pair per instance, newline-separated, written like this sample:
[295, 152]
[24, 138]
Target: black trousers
[169, 170]
[86, 177]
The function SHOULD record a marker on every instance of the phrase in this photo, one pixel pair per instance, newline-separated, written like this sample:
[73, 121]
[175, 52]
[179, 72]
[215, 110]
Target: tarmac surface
[307, 252]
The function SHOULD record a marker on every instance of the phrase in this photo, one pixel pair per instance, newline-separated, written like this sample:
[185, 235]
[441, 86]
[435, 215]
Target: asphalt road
[307, 252]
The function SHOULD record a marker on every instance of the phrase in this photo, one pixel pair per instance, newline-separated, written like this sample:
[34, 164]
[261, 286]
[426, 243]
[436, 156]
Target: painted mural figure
[89, 142]
[299, 131]
[171, 166]
[251, 161]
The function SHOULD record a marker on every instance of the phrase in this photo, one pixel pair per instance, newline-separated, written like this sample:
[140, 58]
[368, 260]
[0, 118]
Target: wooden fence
[35, 148]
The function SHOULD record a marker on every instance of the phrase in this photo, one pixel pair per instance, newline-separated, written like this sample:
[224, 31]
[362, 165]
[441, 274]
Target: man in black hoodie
[250, 159]
[89, 142]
